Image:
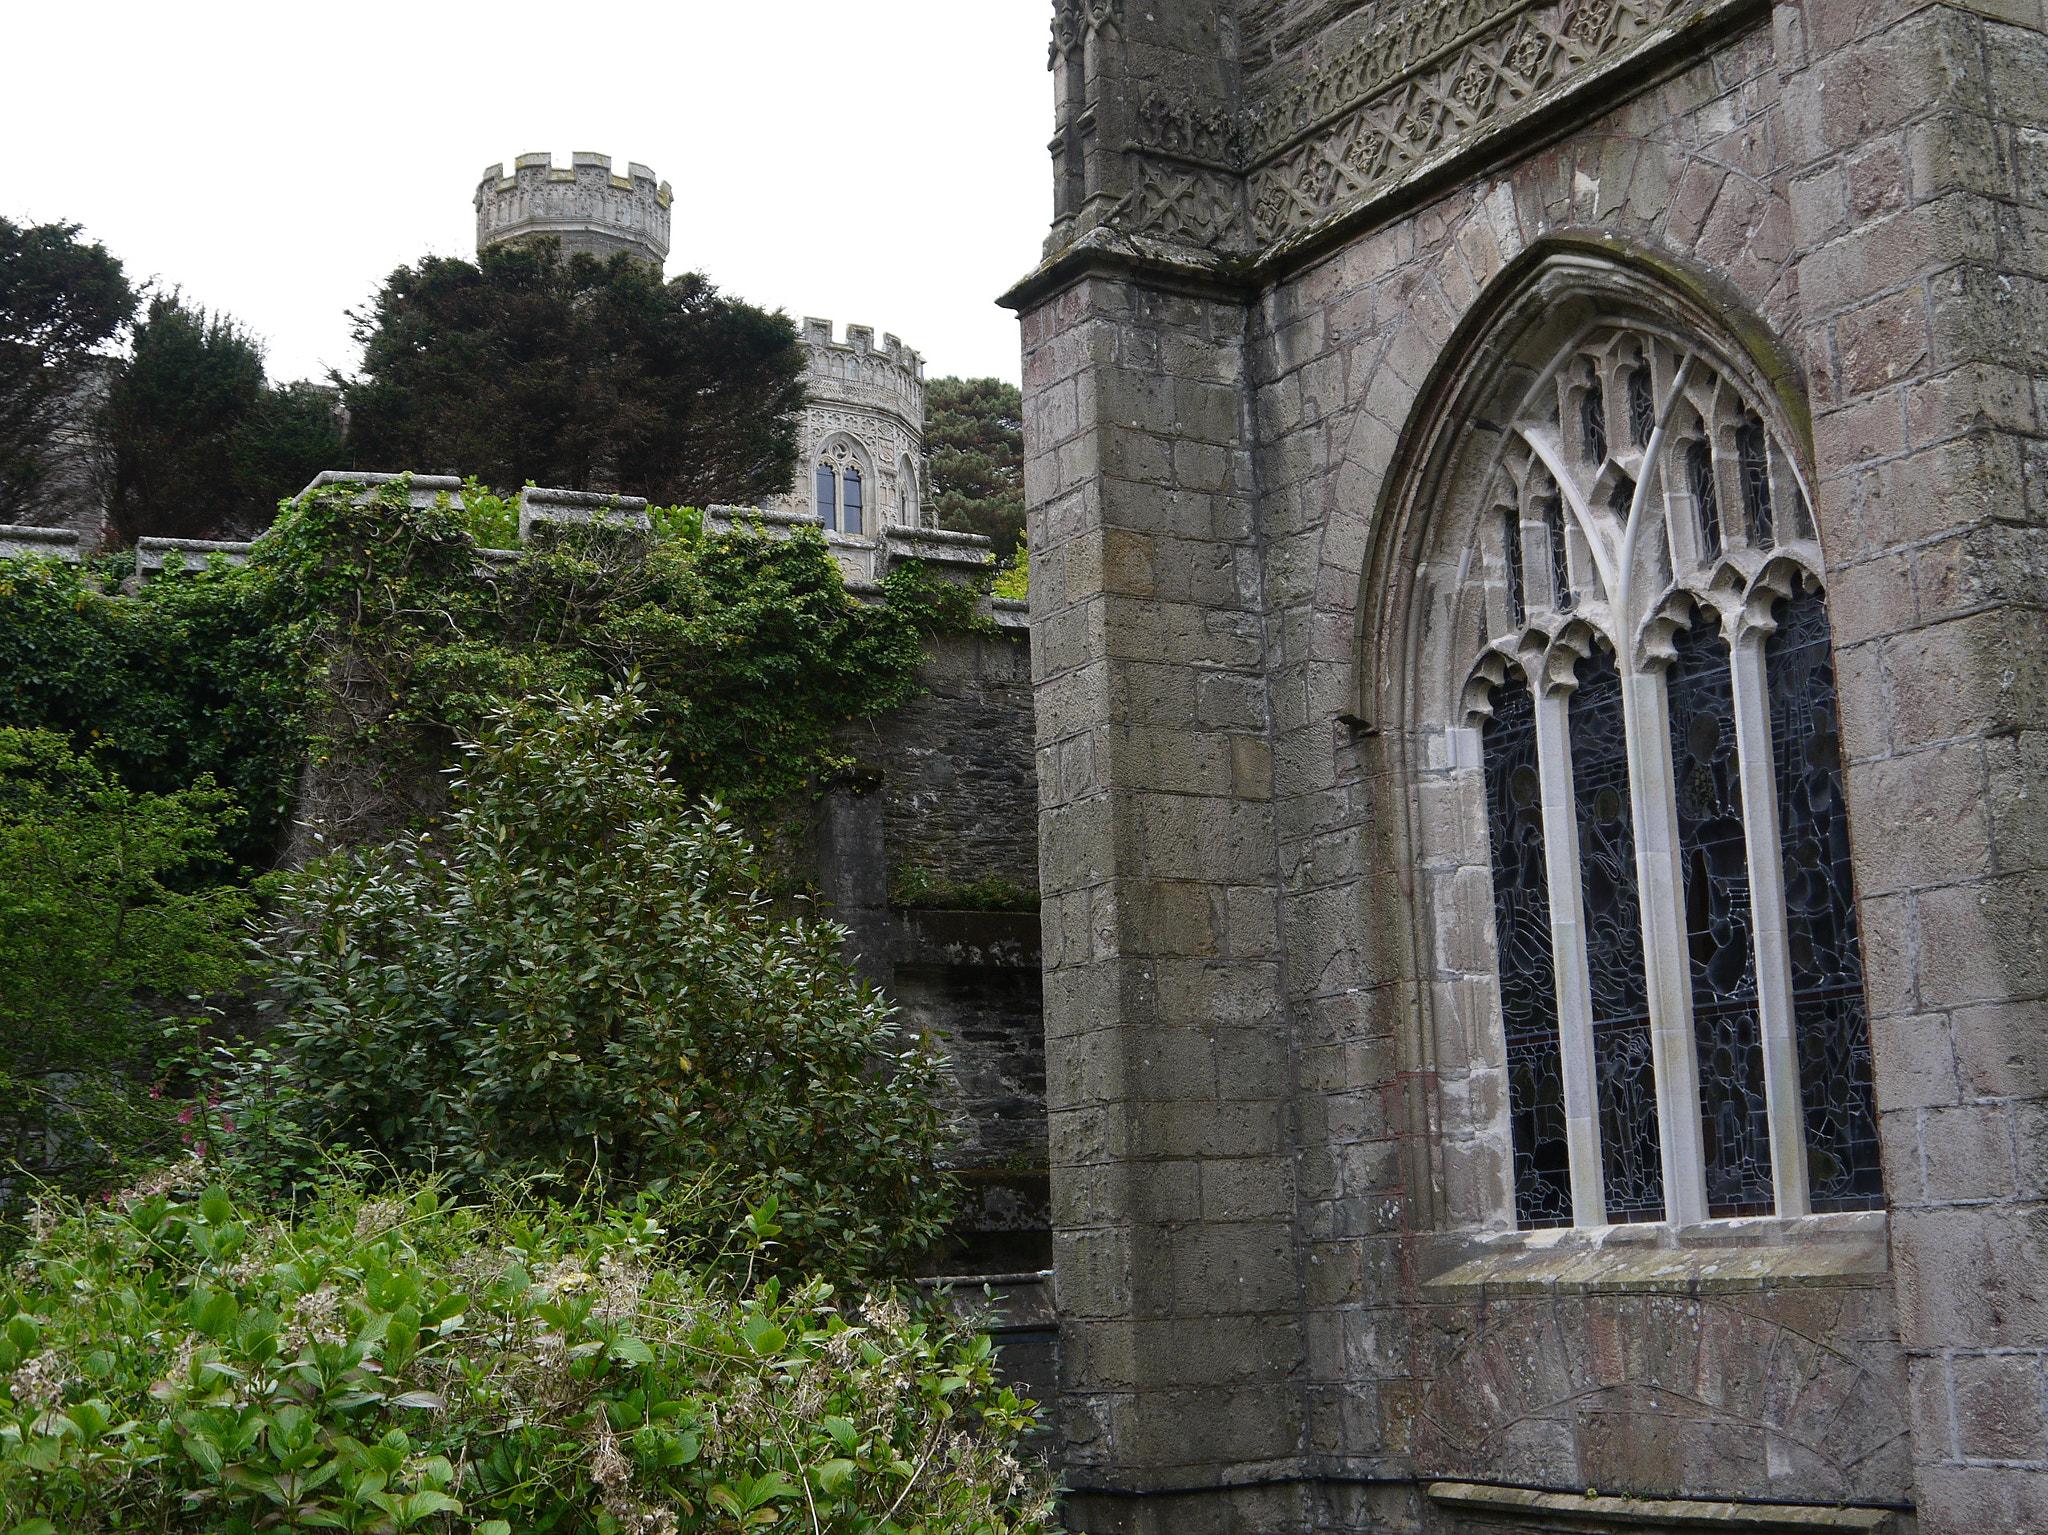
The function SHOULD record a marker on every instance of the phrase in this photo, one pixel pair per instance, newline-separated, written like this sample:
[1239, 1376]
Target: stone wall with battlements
[1282, 227]
[584, 205]
[870, 398]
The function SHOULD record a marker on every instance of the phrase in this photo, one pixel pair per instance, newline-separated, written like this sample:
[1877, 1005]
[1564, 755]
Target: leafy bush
[180, 1363]
[107, 917]
[191, 679]
[573, 974]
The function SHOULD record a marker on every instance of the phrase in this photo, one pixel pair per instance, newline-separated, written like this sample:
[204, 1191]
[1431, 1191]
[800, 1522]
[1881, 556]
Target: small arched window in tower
[828, 496]
[850, 501]
[1562, 597]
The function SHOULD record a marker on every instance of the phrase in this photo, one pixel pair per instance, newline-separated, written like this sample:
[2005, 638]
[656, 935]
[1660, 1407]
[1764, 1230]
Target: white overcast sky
[880, 163]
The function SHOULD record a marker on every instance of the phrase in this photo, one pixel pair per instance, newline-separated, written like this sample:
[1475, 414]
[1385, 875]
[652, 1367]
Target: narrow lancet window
[1829, 1013]
[1624, 1072]
[1642, 405]
[1511, 551]
[828, 496]
[1699, 476]
[851, 505]
[1753, 459]
[1528, 978]
[1562, 597]
[1719, 925]
[1593, 421]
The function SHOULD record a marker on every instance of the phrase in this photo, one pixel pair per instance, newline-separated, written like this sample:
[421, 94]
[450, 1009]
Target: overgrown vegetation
[183, 1362]
[572, 975]
[113, 910]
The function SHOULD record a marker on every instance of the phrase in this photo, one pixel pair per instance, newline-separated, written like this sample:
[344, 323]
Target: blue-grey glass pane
[1563, 597]
[1593, 421]
[1828, 1010]
[1624, 1075]
[1642, 405]
[1754, 462]
[1528, 978]
[1511, 542]
[1699, 474]
[1713, 856]
[852, 504]
[828, 496]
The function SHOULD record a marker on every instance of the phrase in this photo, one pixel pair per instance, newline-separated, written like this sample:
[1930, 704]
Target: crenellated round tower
[863, 431]
[585, 206]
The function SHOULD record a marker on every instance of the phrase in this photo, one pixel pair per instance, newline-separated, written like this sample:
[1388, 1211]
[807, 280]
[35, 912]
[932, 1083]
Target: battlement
[584, 205]
[859, 374]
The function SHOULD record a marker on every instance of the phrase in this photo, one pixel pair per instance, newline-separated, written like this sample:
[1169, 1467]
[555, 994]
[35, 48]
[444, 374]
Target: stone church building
[1537, 514]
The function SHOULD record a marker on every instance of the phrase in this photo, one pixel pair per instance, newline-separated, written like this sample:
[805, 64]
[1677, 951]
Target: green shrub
[573, 974]
[111, 913]
[181, 1363]
[190, 679]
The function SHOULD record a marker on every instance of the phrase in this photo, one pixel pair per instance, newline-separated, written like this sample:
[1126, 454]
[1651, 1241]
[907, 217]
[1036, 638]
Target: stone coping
[18, 539]
[152, 553]
[1731, 1254]
[1577, 1511]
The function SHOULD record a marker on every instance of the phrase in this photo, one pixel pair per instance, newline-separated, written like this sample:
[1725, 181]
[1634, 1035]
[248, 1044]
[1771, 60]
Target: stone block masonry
[1293, 1293]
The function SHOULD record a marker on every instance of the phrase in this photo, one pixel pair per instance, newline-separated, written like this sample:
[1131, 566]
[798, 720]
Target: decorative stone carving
[1418, 88]
[1075, 21]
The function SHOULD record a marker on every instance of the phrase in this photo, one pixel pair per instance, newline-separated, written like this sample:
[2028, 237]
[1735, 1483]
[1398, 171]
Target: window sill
[1748, 1254]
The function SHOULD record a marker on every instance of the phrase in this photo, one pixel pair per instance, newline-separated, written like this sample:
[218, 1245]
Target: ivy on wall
[365, 635]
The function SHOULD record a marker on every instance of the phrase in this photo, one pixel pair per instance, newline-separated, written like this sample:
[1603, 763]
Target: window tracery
[1679, 978]
[841, 488]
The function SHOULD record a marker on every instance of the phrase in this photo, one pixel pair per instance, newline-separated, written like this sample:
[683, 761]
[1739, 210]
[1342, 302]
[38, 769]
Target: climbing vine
[368, 634]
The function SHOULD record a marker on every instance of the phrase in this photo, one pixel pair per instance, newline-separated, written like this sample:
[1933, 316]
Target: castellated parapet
[866, 414]
[585, 206]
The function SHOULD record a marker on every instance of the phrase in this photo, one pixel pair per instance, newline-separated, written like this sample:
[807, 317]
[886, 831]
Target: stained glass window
[1562, 597]
[1753, 461]
[1593, 421]
[1576, 997]
[1719, 926]
[828, 496]
[1642, 405]
[1699, 477]
[1528, 980]
[1829, 1017]
[1624, 1075]
[1511, 549]
[850, 503]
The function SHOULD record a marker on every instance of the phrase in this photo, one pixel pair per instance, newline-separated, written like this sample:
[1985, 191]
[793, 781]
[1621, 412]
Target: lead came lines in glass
[1720, 930]
[1828, 1009]
[1632, 1170]
[1528, 979]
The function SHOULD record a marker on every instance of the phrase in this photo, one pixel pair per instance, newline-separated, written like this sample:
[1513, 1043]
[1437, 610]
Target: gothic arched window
[841, 480]
[1679, 979]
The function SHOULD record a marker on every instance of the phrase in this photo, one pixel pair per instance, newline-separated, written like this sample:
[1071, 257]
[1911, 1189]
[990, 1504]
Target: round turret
[586, 207]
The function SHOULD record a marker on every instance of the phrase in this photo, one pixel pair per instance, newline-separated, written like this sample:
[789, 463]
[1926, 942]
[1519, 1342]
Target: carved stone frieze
[1075, 21]
[1418, 87]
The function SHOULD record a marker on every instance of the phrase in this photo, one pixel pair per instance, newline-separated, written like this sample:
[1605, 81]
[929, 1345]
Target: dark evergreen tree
[974, 458]
[60, 298]
[293, 433]
[567, 371]
[173, 418]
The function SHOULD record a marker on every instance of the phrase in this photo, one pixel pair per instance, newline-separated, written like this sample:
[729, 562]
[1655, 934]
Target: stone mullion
[1767, 917]
[1568, 958]
[1666, 972]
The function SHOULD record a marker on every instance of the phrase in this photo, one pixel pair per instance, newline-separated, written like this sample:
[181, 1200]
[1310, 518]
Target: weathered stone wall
[959, 797]
[1266, 1274]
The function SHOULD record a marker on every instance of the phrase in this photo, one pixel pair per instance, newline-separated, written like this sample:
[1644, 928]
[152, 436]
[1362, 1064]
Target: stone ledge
[1715, 1255]
[1570, 1511]
[58, 543]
